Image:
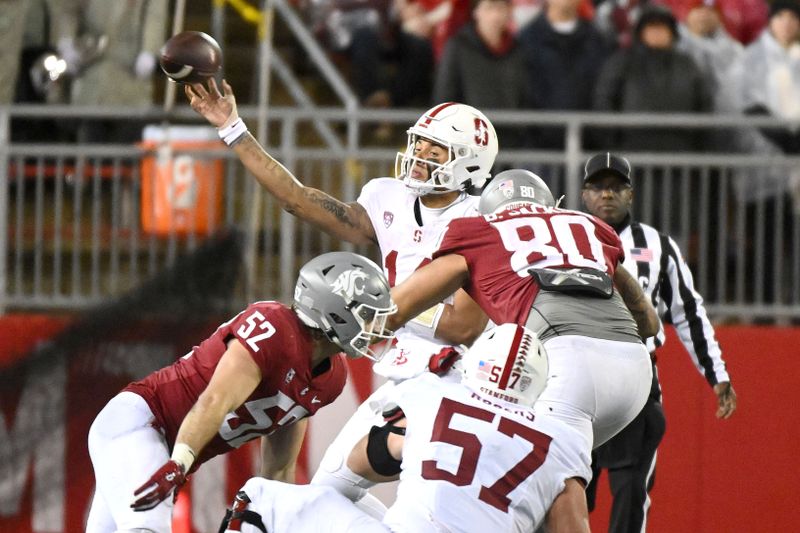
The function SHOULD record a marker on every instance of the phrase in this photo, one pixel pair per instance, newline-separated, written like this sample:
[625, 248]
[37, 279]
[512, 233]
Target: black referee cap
[607, 161]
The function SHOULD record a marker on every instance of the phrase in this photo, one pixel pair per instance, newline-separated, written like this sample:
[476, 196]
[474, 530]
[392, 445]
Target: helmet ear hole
[337, 319]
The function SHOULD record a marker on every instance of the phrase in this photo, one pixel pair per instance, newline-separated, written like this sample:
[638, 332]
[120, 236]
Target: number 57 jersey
[475, 464]
[289, 389]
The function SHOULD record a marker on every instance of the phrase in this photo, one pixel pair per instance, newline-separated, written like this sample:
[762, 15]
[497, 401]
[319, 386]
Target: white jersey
[406, 231]
[474, 464]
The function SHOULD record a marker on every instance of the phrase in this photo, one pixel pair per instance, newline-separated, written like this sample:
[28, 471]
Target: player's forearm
[645, 317]
[426, 287]
[286, 474]
[311, 205]
[358, 463]
[643, 312]
[202, 422]
[271, 174]
[462, 322]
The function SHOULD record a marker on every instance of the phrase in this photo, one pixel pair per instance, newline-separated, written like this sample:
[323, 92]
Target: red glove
[443, 361]
[167, 479]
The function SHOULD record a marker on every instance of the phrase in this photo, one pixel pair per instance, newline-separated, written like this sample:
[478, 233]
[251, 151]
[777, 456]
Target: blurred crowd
[81, 52]
[732, 56]
[610, 55]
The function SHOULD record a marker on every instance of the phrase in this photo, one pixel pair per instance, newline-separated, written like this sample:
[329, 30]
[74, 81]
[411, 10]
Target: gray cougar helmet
[346, 296]
[514, 187]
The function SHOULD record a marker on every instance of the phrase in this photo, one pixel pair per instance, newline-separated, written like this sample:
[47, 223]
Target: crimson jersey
[280, 345]
[500, 249]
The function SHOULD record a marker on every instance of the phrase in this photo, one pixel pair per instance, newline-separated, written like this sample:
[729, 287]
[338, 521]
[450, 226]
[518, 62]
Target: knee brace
[378, 454]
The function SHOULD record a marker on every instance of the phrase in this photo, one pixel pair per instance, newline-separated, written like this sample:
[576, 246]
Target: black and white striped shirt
[654, 259]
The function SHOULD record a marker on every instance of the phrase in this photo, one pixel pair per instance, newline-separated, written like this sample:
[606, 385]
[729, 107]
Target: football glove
[167, 480]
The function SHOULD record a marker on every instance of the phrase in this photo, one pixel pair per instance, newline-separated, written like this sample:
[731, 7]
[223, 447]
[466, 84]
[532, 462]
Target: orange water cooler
[181, 190]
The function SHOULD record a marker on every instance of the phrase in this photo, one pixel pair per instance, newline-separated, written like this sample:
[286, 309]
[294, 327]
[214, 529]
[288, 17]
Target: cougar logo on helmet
[507, 188]
[347, 297]
[349, 284]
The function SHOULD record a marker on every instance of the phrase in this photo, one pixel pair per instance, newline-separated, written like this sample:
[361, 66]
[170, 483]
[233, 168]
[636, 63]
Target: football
[190, 57]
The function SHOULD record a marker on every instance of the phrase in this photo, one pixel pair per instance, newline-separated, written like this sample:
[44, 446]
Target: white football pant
[596, 386]
[333, 469]
[125, 451]
[305, 509]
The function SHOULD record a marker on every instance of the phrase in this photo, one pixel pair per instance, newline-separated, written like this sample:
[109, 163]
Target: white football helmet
[470, 140]
[508, 363]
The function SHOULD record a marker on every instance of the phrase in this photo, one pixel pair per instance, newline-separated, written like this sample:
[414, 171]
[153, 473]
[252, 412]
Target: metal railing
[74, 229]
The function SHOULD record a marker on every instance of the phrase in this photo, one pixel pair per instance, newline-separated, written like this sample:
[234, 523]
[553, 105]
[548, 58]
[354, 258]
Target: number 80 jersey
[501, 248]
[281, 347]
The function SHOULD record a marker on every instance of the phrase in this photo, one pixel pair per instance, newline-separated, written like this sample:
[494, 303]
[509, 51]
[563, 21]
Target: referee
[655, 260]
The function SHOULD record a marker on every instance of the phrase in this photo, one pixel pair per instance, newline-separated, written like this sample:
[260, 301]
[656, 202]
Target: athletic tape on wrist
[183, 455]
[234, 132]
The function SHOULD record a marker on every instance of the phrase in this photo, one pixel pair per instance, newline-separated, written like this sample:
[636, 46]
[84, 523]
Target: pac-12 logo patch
[388, 218]
[507, 188]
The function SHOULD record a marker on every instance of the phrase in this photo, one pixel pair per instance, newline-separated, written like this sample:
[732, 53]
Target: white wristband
[234, 132]
[183, 455]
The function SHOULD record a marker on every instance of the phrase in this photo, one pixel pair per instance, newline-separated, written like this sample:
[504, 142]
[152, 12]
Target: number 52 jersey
[474, 464]
[281, 347]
